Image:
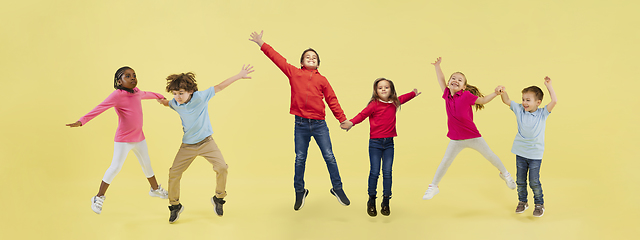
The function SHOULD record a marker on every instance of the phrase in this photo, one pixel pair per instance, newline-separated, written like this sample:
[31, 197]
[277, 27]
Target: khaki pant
[185, 156]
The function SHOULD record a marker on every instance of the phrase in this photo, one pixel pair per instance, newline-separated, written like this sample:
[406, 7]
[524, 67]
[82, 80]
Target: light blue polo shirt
[529, 141]
[195, 116]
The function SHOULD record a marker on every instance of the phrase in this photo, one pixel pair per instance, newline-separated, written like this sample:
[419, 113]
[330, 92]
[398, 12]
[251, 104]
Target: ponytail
[475, 91]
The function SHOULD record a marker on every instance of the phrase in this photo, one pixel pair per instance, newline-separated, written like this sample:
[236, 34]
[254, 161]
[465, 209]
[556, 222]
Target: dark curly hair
[186, 81]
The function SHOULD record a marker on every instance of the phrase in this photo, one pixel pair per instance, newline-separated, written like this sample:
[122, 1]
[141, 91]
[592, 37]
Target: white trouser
[120, 151]
[455, 146]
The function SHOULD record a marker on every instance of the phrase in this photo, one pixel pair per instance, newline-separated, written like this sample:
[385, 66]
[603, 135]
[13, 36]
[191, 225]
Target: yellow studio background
[58, 59]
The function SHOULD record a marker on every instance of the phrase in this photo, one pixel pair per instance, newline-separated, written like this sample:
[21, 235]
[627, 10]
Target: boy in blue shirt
[529, 142]
[192, 106]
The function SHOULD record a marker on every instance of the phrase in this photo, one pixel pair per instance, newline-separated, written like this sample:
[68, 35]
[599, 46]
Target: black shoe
[175, 212]
[385, 206]
[341, 196]
[300, 196]
[217, 205]
[371, 206]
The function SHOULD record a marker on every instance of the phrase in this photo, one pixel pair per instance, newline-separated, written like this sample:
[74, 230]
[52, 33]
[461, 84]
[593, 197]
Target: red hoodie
[308, 88]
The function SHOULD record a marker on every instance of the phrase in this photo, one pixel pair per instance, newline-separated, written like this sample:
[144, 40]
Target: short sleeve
[209, 93]
[546, 112]
[468, 98]
[516, 108]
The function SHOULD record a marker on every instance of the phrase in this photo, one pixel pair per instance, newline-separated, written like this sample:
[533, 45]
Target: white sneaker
[160, 192]
[431, 191]
[507, 178]
[96, 203]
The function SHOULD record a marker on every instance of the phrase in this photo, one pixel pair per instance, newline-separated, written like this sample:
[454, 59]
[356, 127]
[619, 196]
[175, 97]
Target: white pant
[455, 146]
[120, 151]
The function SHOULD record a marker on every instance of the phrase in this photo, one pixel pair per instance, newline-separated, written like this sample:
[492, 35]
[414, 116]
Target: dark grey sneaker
[371, 206]
[175, 212]
[217, 205]
[539, 211]
[300, 196]
[521, 207]
[341, 196]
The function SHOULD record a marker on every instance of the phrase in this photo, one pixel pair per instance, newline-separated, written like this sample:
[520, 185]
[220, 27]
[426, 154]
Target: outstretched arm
[439, 74]
[554, 99]
[488, 98]
[242, 75]
[257, 38]
[504, 95]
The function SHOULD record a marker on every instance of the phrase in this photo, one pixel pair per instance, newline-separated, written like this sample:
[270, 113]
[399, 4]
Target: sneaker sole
[425, 197]
[505, 180]
[178, 217]
[336, 195]
[306, 192]
[94, 210]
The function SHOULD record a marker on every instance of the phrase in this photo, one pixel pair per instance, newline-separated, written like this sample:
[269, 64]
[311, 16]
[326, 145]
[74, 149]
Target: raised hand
[75, 124]
[245, 71]
[257, 38]
[437, 63]
[547, 81]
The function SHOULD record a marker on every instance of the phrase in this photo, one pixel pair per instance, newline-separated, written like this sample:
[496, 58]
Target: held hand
[257, 38]
[547, 81]
[415, 90]
[437, 63]
[245, 71]
[163, 101]
[75, 124]
[500, 89]
[346, 125]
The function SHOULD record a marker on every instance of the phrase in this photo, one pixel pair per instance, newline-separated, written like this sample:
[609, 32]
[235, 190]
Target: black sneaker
[217, 205]
[385, 206]
[175, 212]
[342, 198]
[371, 206]
[300, 196]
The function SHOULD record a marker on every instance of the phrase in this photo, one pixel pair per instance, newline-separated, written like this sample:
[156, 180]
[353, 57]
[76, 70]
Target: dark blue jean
[532, 166]
[380, 153]
[304, 130]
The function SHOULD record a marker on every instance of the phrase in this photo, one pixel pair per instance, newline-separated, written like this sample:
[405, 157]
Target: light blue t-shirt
[529, 141]
[195, 116]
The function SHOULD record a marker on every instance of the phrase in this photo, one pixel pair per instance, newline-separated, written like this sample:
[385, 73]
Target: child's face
[310, 60]
[457, 82]
[128, 79]
[182, 96]
[529, 102]
[384, 90]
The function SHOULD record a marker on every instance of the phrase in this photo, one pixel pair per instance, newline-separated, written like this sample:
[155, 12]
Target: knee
[222, 169]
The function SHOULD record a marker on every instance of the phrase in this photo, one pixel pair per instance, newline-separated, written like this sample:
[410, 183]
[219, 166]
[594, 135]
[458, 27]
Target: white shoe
[160, 192]
[431, 191]
[96, 203]
[507, 178]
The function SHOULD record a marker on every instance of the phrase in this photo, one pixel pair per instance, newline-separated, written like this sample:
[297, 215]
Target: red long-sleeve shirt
[308, 89]
[382, 116]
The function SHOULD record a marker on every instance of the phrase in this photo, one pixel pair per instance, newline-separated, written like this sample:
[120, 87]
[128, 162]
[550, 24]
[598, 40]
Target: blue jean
[380, 153]
[532, 166]
[305, 129]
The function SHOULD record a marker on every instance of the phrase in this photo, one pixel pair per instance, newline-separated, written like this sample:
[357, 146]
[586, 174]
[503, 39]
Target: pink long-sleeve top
[129, 109]
[382, 117]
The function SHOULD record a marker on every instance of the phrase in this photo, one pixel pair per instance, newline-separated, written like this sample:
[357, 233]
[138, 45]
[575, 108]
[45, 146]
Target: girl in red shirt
[381, 112]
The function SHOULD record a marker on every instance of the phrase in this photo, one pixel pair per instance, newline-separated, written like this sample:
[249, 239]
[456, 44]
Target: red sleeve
[332, 101]
[278, 59]
[406, 97]
[365, 113]
[103, 106]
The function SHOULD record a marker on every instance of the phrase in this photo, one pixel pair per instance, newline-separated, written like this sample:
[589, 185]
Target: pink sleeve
[103, 106]
[469, 98]
[366, 112]
[151, 95]
[406, 97]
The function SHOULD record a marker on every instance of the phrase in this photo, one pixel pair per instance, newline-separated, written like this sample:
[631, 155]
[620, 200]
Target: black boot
[385, 206]
[371, 206]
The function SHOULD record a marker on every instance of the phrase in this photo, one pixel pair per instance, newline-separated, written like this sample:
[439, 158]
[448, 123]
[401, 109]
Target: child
[459, 98]
[192, 106]
[381, 111]
[308, 88]
[129, 136]
[529, 142]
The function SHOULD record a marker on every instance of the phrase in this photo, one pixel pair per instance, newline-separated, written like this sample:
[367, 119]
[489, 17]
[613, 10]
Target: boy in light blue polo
[529, 142]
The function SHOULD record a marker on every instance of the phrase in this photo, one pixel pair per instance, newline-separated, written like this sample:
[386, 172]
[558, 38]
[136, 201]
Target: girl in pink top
[459, 98]
[381, 112]
[126, 99]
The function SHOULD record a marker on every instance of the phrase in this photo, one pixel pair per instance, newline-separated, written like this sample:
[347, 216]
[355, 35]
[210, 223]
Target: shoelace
[99, 201]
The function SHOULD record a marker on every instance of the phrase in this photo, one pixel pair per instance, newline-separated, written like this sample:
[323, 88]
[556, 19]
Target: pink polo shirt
[129, 109]
[460, 115]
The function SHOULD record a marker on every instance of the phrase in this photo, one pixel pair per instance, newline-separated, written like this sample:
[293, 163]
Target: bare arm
[504, 95]
[488, 98]
[554, 99]
[164, 102]
[242, 75]
[439, 74]
[257, 38]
